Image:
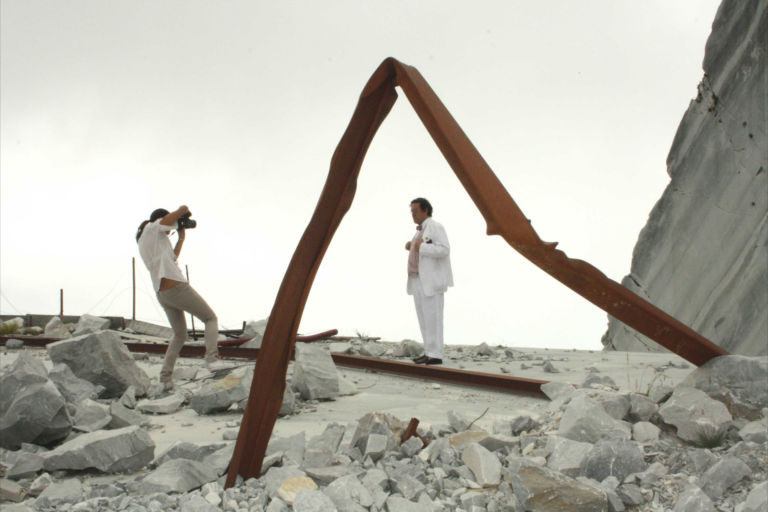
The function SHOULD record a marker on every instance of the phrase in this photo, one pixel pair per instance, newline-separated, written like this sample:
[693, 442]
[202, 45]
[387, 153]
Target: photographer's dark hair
[424, 205]
[157, 214]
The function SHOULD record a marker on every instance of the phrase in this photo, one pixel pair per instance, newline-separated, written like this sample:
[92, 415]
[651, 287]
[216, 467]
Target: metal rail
[494, 382]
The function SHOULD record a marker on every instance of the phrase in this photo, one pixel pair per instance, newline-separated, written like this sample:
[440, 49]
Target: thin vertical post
[61, 302]
[133, 269]
[194, 335]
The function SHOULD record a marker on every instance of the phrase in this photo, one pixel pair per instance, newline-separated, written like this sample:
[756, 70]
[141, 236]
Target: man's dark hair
[424, 205]
[157, 214]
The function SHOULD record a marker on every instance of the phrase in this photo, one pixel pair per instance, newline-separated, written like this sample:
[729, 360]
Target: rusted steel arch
[503, 218]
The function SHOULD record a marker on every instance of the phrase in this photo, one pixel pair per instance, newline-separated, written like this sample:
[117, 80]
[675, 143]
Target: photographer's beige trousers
[429, 310]
[175, 302]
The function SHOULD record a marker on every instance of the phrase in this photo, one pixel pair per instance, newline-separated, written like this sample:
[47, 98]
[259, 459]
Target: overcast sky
[234, 108]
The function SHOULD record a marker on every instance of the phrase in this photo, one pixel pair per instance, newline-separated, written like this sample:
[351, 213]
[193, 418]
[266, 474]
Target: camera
[185, 222]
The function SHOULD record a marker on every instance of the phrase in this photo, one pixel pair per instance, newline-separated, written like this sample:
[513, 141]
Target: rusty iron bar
[503, 217]
[490, 381]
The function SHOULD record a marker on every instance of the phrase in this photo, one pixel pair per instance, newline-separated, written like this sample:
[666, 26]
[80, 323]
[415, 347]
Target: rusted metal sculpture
[502, 215]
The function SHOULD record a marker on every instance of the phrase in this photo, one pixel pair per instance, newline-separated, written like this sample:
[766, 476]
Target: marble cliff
[703, 255]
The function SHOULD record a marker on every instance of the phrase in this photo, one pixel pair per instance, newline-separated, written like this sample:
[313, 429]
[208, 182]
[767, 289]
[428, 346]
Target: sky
[109, 110]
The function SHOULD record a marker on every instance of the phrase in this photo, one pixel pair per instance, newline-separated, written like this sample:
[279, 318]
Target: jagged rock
[407, 485]
[254, 330]
[91, 416]
[314, 374]
[378, 423]
[409, 348]
[737, 381]
[128, 398]
[483, 350]
[177, 475]
[340, 347]
[398, 504]
[26, 370]
[544, 490]
[327, 474]
[757, 500]
[630, 495]
[11, 491]
[289, 402]
[21, 464]
[495, 442]
[598, 381]
[372, 349]
[103, 359]
[293, 447]
[375, 445]
[555, 390]
[641, 407]
[411, 447]
[348, 494]
[59, 494]
[14, 344]
[275, 477]
[458, 421]
[13, 325]
[73, 388]
[645, 432]
[566, 455]
[701, 256]
[165, 405]
[220, 394]
[755, 431]
[693, 499]
[89, 324]
[55, 328]
[485, 465]
[722, 475]
[37, 414]
[694, 414]
[550, 368]
[111, 451]
[124, 417]
[40, 484]
[218, 461]
[468, 436]
[185, 450]
[313, 501]
[585, 420]
[613, 457]
[293, 486]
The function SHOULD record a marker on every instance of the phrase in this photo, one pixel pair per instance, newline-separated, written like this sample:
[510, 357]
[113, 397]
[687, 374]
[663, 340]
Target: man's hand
[408, 246]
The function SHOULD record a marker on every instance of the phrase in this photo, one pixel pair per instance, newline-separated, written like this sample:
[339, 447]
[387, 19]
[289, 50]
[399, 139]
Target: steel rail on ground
[490, 381]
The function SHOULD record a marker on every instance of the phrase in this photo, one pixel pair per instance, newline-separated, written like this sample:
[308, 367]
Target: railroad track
[494, 382]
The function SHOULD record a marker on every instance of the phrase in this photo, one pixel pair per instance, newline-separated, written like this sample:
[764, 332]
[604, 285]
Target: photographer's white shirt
[157, 252]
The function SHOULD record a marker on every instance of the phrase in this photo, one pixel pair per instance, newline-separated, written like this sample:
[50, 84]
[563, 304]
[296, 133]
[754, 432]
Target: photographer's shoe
[433, 360]
[167, 384]
[421, 359]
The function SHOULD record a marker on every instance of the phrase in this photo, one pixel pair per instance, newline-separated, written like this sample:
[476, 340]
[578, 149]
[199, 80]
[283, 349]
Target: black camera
[185, 222]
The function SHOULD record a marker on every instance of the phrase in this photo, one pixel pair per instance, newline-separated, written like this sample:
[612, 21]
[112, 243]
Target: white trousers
[429, 311]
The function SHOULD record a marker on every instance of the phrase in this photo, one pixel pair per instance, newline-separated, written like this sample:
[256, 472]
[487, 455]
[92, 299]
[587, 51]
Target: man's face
[418, 214]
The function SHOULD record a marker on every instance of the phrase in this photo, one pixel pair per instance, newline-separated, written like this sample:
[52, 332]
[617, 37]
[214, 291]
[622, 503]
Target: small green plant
[709, 436]
[361, 334]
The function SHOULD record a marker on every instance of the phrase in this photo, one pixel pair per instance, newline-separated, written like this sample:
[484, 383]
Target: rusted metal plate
[502, 215]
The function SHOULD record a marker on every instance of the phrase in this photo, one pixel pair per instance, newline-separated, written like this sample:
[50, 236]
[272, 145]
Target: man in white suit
[429, 276]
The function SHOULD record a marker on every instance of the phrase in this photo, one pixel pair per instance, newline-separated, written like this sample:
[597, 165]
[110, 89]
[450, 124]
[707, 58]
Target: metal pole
[61, 302]
[194, 335]
[133, 268]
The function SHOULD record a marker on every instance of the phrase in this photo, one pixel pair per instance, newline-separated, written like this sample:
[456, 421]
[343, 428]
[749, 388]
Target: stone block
[60, 494]
[220, 394]
[566, 455]
[314, 373]
[313, 501]
[291, 487]
[585, 420]
[541, 489]
[165, 405]
[613, 457]
[73, 388]
[485, 465]
[102, 359]
[349, 494]
[695, 414]
[178, 475]
[37, 414]
[110, 451]
[90, 323]
[91, 416]
[722, 475]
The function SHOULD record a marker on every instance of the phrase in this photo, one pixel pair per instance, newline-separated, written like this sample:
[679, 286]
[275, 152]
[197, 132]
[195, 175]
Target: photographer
[173, 291]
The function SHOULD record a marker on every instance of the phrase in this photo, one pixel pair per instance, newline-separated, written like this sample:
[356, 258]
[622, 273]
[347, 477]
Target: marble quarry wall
[703, 255]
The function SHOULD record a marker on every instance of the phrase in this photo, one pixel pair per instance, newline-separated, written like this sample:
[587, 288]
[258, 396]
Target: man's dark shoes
[420, 359]
[433, 360]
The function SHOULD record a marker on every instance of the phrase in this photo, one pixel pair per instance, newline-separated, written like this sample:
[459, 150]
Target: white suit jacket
[434, 260]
